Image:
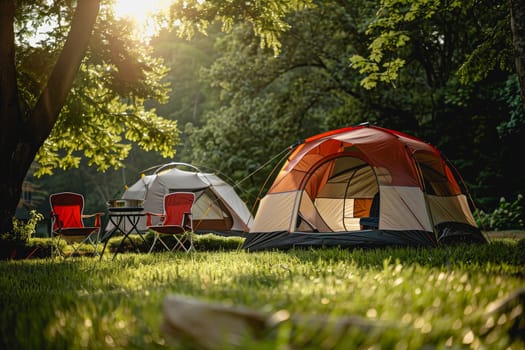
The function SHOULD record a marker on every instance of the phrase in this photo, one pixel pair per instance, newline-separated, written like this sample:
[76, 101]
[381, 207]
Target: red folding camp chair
[67, 222]
[176, 222]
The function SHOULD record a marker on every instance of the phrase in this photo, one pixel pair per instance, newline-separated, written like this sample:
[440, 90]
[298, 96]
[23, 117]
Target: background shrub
[508, 215]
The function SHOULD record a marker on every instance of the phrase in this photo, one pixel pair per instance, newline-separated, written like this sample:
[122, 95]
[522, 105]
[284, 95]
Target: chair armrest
[97, 218]
[149, 215]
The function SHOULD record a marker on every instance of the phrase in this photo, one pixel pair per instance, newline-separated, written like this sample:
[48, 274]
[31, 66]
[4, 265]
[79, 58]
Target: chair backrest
[175, 205]
[67, 208]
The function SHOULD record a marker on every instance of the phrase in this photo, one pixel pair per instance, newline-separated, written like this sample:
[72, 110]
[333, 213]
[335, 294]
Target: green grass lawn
[424, 298]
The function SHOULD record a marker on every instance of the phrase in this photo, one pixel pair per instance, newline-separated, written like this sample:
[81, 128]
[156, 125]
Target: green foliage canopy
[270, 101]
[267, 17]
[104, 112]
[403, 30]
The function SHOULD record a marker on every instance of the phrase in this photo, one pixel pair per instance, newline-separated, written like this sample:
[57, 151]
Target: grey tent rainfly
[325, 191]
[217, 209]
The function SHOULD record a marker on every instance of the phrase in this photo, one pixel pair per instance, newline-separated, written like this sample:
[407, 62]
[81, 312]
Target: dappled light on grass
[418, 297]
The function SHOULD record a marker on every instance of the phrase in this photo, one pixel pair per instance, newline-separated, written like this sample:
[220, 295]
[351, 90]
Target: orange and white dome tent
[324, 194]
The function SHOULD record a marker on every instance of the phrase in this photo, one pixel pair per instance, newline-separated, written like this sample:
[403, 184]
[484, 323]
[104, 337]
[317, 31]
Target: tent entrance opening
[337, 194]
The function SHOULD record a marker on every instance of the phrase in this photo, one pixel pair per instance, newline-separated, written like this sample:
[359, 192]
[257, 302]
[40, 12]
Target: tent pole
[427, 206]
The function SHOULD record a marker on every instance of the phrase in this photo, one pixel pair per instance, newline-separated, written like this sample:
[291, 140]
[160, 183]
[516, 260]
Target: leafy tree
[32, 101]
[23, 132]
[466, 52]
[51, 117]
[426, 31]
[270, 102]
[310, 86]
[105, 108]
[187, 97]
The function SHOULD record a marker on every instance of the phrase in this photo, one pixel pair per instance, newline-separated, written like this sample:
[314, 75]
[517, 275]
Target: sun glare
[141, 12]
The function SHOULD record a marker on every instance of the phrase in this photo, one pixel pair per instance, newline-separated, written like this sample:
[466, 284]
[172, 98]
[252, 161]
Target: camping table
[125, 221]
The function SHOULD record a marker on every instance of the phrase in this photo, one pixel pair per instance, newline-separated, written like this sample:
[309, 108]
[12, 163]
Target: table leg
[133, 220]
[108, 235]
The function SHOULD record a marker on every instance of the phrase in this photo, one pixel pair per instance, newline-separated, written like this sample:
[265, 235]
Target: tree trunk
[518, 39]
[23, 133]
[10, 115]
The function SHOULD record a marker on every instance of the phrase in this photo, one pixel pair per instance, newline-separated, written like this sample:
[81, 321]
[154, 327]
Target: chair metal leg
[158, 239]
[155, 237]
[185, 237]
[56, 251]
[95, 243]
[164, 244]
[179, 242]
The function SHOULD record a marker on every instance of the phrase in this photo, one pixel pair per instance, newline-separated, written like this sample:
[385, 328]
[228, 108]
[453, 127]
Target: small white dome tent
[217, 208]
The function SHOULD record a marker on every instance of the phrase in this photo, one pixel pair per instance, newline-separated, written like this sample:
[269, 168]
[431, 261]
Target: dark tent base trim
[283, 240]
[455, 232]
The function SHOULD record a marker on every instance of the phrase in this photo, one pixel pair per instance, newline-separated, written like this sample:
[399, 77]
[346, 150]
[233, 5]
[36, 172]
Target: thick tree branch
[9, 108]
[61, 79]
